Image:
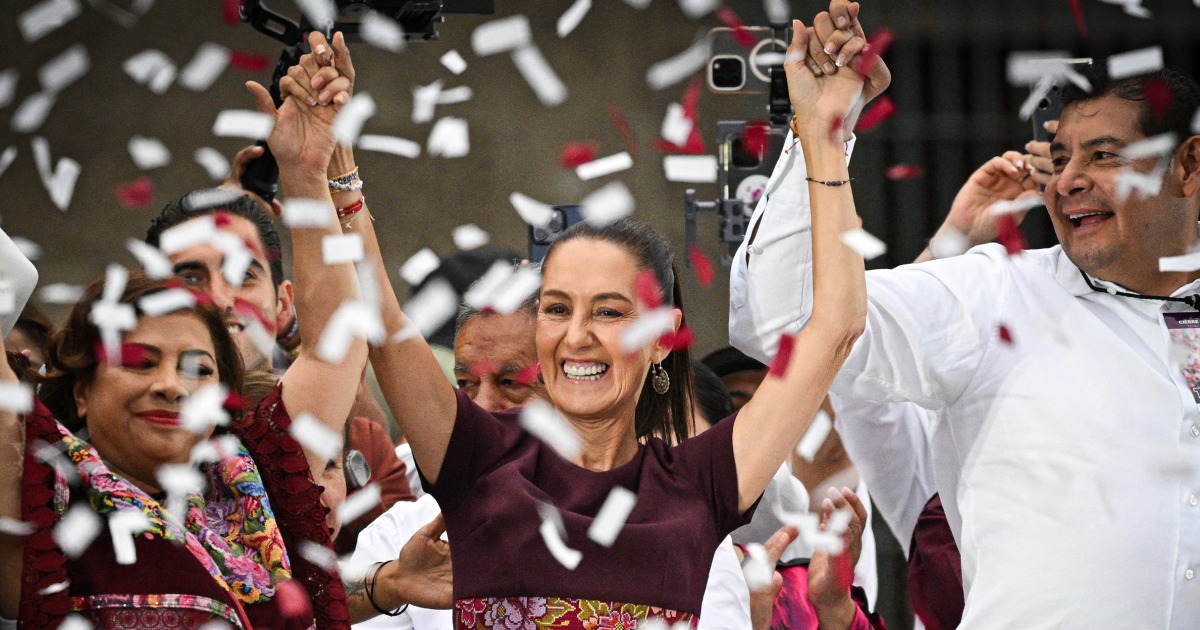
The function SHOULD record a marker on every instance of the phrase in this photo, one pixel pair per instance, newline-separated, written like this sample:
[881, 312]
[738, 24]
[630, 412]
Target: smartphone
[540, 238]
[262, 175]
[743, 173]
[735, 69]
[1049, 108]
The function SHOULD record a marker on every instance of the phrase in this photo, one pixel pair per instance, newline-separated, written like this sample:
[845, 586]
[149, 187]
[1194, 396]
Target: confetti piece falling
[754, 138]
[351, 320]
[878, 44]
[572, 17]
[1136, 62]
[253, 63]
[757, 568]
[904, 171]
[690, 169]
[1185, 263]
[502, 35]
[948, 243]
[8, 87]
[316, 437]
[575, 154]
[44, 18]
[778, 11]
[294, 602]
[864, 243]
[212, 162]
[682, 339]
[449, 138]
[649, 292]
[544, 422]
[1077, 14]
[549, 89]
[1010, 234]
[419, 265]
[243, 123]
[136, 194]
[425, 99]
[529, 374]
[1156, 146]
[1158, 96]
[605, 166]
[678, 68]
[32, 112]
[60, 293]
[454, 62]
[469, 236]
[1005, 334]
[503, 288]
[882, 110]
[622, 125]
[565, 556]
[164, 302]
[124, 527]
[389, 144]
[647, 329]
[28, 249]
[231, 11]
[300, 213]
[16, 397]
[75, 622]
[320, 13]
[1145, 184]
[783, 356]
[63, 70]
[815, 436]
[612, 516]
[1132, 7]
[205, 67]
[532, 211]
[430, 308]
[151, 68]
[382, 32]
[607, 204]
[76, 530]
[1015, 206]
[204, 409]
[702, 265]
[696, 9]
[359, 503]
[731, 20]
[6, 158]
[14, 527]
[350, 120]
[148, 153]
[676, 126]
[460, 94]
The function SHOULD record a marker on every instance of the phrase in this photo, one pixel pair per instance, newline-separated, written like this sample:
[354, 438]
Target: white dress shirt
[1066, 460]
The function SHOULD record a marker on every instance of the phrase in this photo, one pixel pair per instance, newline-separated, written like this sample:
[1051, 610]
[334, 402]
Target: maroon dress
[496, 477]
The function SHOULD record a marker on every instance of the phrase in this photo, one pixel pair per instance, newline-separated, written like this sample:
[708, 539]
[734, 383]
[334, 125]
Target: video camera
[418, 19]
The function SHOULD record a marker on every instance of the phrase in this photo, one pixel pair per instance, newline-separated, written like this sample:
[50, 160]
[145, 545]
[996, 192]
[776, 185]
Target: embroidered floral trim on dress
[538, 613]
[153, 612]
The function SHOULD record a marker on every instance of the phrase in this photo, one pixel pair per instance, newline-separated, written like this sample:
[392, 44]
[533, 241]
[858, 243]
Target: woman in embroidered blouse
[493, 481]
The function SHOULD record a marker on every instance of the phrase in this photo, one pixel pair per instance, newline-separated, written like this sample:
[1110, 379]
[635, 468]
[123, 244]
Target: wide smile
[1087, 218]
[584, 370]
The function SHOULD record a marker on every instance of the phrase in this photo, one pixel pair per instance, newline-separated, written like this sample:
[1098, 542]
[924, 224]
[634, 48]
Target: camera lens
[727, 73]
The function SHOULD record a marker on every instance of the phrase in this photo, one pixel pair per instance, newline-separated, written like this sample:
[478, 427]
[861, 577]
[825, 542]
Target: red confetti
[731, 20]
[246, 308]
[483, 369]
[235, 401]
[648, 289]
[221, 219]
[136, 194]
[754, 138]
[877, 113]
[1158, 96]
[679, 340]
[529, 374]
[294, 602]
[843, 572]
[1005, 335]
[691, 111]
[1077, 13]
[835, 129]
[576, 153]
[904, 171]
[877, 45]
[1010, 234]
[130, 354]
[231, 11]
[703, 267]
[622, 125]
[783, 356]
[250, 62]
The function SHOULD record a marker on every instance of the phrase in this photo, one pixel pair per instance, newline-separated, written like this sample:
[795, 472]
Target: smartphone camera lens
[727, 73]
[546, 234]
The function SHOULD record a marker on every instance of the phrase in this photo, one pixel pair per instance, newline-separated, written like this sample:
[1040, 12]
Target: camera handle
[731, 223]
[779, 106]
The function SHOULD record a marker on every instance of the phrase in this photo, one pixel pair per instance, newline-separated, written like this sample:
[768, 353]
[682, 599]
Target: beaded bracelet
[833, 182]
[347, 213]
[346, 183]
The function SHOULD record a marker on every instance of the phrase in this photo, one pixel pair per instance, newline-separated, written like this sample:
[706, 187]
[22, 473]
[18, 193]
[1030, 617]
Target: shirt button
[1194, 430]
[752, 249]
[1189, 574]
[1192, 500]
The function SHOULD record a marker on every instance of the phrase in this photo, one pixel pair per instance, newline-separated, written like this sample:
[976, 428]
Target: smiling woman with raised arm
[499, 486]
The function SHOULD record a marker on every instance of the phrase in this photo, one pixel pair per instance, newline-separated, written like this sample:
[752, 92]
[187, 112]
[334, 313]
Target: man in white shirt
[1065, 435]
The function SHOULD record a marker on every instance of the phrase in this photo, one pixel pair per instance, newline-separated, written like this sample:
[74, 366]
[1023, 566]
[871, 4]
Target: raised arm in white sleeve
[17, 275]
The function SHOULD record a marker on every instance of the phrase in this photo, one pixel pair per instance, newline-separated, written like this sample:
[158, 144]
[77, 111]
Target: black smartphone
[1049, 108]
[262, 175]
[540, 238]
[734, 68]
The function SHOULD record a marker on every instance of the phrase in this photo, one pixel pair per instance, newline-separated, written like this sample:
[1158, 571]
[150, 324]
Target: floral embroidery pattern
[541, 613]
[153, 611]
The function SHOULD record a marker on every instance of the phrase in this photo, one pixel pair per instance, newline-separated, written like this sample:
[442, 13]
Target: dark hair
[466, 313]
[72, 357]
[730, 360]
[185, 208]
[712, 399]
[665, 416]
[35, 325]
[1184, 95]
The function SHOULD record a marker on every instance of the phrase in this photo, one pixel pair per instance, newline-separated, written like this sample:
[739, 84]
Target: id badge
[1183, 332]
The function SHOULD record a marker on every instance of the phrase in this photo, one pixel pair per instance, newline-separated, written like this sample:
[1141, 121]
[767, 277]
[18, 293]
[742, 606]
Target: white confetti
[28, 248]
[352, 319]
[152, 68]
[1158, 146]
[454, 62]
[60, 182]
[187, 234]
[604, 166]
[1145, 184]
[316, 437]
[1025, 67]
[205, 67]
[31, 114]
[676, 126]
[572, 17]
[675, 69]
[565, 556]
[215, 449]
[1132, 7]
[6, 158]
[60, 293]
[532, 211]
[815, 436]
[549, 89]
[607, 204]
[696, 9]
[350, 120]
[757, 567]
[504, 288]
[342, 248]
[449, 138]
[128, 19]
[243, 123]
[76, 530]
[389, 144]
[68, 67]
[179, 481]
[237, 257]
[544, 422]
[58, 588]
[204, 409]
[639, 5]
[164, 302]
[1185, 263]
[42, 19]
[381, 31]
[1136, 62]
[469, 236]
[646, 329]
[460, 94]
[124, 527]
[766, 59]
[1040, 90]
[418, 266]
[1013, 206]
[359, 503]
[319, 555]
[75, 622]
[321, 14]
[863, 243]
[612, 515]
[14, 527]
[16, 397]
[300, 213]
[148, 153]
[691, 169]
[425, 98]
[502, 35]
[1196, 117]
[8, 87]
[211, 198]
[431, 307]
[778, 11]
[948, 243]
[212, 162]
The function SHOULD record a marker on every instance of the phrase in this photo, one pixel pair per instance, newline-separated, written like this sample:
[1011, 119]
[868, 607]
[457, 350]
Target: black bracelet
[835, 182]
[370, 588]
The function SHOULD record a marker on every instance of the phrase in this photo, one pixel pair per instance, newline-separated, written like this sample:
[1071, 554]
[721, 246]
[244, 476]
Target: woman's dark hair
[666, 416]
[711, 396]
[36, 326]
[73, 348]
[1180, 94]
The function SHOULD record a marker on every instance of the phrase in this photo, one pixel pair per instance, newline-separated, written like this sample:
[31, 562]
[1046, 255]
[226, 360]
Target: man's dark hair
[1179, 92]
[185, 209]
[712, 399]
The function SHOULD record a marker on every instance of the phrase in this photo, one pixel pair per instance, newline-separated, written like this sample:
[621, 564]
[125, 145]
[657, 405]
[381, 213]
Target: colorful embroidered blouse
[492, 482]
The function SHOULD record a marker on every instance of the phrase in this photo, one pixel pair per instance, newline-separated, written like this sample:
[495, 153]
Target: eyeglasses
[357, 471]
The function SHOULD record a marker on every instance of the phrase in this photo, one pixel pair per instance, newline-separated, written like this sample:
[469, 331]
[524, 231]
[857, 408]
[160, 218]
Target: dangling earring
[661, 380]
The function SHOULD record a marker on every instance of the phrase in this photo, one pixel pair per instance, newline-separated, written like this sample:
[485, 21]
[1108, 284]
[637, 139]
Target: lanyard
[1191, 300]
